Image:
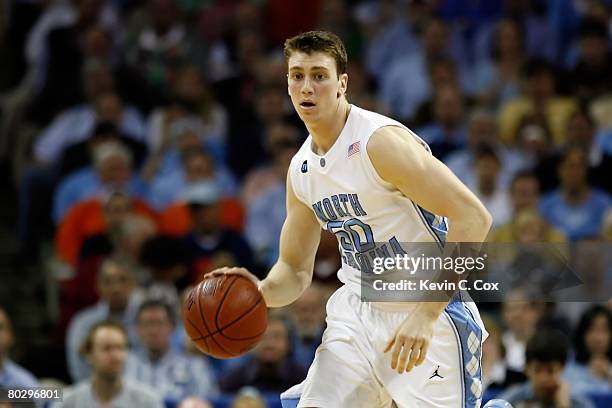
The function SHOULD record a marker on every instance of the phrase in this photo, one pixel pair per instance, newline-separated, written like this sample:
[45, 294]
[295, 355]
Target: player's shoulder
[300, 158]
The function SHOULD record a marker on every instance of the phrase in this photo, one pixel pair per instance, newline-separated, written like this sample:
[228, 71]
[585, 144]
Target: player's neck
[325, 133]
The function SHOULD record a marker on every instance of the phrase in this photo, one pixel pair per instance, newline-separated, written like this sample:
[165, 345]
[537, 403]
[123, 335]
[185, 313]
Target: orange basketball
[225, 316]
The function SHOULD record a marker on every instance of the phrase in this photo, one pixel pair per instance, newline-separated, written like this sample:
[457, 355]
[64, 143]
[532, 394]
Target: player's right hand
[236, 271]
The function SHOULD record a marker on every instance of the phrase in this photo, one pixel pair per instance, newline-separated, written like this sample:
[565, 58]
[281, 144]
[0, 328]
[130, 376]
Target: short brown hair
[87, 344]
[318, 41]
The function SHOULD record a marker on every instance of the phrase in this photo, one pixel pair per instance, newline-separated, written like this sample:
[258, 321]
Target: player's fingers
[423, 353]
[389, 344]
[397, 348]
[415, 355]
[404, 357]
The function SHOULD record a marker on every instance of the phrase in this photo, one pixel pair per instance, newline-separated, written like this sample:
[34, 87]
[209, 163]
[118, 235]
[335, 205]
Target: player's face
[314, 86]
[108, 352]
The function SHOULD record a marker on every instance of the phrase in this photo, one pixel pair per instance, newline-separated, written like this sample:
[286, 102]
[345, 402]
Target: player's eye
[296, 76]
[320, 77]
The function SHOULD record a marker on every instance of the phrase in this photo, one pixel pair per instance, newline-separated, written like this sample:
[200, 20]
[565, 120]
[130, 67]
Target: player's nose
[307, 87]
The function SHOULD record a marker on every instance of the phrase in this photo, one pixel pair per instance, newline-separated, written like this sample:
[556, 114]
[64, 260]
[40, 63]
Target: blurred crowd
[148, 142]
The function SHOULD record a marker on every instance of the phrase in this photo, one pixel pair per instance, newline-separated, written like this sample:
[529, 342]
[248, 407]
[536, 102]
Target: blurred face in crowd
[193, 402]
[282, 140]
[205, 217]
[115, 170]
[190, 87]
[573, 171]
[435, 38]
[115, 285]
[198, 166]
[274, 345]
[580, 130]
[443, 74]
[525, 193]
[309, 311]
[593, 49]
[97, 43]
[487, 169]
[247, 401]
[508, 38]
[541, 85]
[448, 107]
[154, 329]
[109, 108]
[6, 335]
[530, 227]
[520, 314]
[108, 352]
[116, 210]
[598, 337]
[482, 130]
[545, 378]
[97, 80]
[315, 87]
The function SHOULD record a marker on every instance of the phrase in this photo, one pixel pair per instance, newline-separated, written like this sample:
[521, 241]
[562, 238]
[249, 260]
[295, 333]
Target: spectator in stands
[191, 98]
[495, 373]
[590, 76]
[111, 171]
[576, 208]
[482, 130]
[447, 131]
[106, 348]
[271, 367]
[525, 194]
[161, 43]
[12, 375]
[106, 222]
[118, 302]
[263, 193]
[173, 374]
[498, 76]
[487, 187]
[540, 99]
[545, 356]
[407, 83]
[521, 314]
[208, 237]
[309, 315]
[165, 260]
[591, 372]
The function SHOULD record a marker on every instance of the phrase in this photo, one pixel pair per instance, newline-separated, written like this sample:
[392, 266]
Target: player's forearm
[284, 285]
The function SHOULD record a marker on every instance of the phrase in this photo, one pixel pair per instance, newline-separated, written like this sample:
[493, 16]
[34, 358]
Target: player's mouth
[307, 105]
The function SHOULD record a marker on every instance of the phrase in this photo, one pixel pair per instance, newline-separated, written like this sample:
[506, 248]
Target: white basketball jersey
[351, 201]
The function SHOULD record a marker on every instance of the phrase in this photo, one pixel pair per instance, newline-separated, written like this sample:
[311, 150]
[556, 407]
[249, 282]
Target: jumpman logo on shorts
[436, 374]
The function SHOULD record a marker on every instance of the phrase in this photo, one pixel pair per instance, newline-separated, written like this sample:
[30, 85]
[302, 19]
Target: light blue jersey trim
[469, 340]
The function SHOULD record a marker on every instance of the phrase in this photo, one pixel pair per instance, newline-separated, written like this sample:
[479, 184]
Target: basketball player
[361, 171]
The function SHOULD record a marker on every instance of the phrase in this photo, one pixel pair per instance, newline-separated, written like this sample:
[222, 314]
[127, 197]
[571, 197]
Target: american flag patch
[353, 149]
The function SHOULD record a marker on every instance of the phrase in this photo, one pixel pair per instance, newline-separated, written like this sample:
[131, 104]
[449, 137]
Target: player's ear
[343, 84]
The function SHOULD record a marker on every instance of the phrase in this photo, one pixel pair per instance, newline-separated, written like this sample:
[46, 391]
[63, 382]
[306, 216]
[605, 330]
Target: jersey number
[354, 235]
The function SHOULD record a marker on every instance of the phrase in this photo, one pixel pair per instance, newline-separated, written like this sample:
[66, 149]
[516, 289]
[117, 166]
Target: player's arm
[299, 241]
[401, 160]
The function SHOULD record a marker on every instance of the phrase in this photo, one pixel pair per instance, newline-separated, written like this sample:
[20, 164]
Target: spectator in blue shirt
[592, 370]
[11, 374]
[576, 208]
[546, 354]
[173, 374]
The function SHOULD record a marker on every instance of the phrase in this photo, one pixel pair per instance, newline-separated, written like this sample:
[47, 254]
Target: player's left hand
[411, 340]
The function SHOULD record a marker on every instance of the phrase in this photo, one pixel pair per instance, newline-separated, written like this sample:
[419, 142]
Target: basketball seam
[204, 320]
[199, 332]
[220, 330]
